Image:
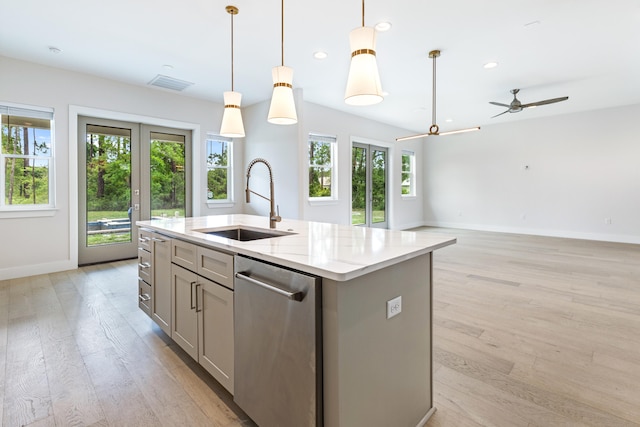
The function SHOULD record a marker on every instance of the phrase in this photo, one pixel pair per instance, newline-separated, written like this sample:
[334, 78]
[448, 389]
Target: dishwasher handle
[295, 296]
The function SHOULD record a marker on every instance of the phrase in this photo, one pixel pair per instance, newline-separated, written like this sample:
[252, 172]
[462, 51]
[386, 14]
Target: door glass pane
[378, 186]
[168, 183]
[108, 185]
[358, 185]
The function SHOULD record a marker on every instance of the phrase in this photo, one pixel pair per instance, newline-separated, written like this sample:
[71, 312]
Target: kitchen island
[376, 350]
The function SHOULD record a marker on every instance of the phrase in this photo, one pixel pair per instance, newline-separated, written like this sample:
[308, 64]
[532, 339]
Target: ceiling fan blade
[545, 102]
[499, 104]
[406, 138]
[501, 113]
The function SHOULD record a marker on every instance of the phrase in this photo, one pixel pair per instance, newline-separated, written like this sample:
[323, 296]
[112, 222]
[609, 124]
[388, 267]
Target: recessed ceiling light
[383, 26]
[54, 49]
[490, 65]
[320, 54]
[532, 24]
[167, 67]
[448, 120]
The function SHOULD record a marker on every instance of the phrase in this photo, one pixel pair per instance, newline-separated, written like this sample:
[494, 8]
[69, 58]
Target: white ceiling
[588, 50]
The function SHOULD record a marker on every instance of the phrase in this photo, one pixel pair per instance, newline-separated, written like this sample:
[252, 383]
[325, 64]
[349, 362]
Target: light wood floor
[529, 331]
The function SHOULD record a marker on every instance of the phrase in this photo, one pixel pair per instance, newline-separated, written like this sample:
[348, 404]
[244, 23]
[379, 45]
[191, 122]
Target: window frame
[332, 165]
[229, 168]
[29, 210]
[411, 172]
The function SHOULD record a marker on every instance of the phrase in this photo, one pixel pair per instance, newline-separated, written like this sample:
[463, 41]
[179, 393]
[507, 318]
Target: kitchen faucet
[273, 217]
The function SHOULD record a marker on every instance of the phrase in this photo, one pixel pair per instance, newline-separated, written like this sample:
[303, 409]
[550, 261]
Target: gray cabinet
[161, 281]
[154, 277]
[202, 309]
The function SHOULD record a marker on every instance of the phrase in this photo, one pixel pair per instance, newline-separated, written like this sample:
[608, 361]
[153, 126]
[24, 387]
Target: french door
[127, 172]
[369, 185]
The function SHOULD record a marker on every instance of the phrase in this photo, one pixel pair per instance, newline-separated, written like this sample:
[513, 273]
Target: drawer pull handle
[155, 239]
[144, 265]
[144, 297]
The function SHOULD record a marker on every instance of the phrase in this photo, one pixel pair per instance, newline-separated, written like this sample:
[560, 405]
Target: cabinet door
[215, 330]
[184, 325]
[161, 285]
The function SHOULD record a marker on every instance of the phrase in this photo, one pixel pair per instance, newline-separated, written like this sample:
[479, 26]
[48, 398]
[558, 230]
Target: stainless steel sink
[244, 234]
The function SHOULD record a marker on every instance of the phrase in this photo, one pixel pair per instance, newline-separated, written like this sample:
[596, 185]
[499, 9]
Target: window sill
[28, 213]
[409, 197]
[322, 202]
[220, 204]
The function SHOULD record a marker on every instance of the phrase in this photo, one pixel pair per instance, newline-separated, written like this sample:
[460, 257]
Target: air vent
[169, 83]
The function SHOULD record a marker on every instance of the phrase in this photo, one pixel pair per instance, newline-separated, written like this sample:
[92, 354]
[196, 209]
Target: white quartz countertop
[337, 252]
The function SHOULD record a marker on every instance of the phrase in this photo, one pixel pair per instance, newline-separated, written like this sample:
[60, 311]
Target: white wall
[285, 148]
[44, 244]
[279, 145]
[582, 168]
[403, 213]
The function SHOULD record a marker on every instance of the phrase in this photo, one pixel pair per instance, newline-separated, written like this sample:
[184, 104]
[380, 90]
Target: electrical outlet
[607, 221]
[394, 307]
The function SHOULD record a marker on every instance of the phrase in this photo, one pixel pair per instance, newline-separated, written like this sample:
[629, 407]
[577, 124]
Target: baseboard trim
[425, 419]
[616, 238]
[36, 269]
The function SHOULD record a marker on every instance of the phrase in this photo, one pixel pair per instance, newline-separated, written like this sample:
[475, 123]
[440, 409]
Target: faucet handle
[277, 217]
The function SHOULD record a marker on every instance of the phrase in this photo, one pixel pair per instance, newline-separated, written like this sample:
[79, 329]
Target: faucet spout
[273, 215]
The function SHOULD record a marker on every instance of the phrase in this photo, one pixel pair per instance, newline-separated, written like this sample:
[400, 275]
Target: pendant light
[232, 126]
[434, 130]
[363, 83]
[282, 110]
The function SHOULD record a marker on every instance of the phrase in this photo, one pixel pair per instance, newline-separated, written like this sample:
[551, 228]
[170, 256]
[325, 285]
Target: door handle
[295, 296]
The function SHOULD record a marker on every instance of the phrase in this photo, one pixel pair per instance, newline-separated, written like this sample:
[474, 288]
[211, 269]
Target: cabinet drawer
[144, 265]
[216, 266]
[144, 296]
[184, 254]
[144, 239]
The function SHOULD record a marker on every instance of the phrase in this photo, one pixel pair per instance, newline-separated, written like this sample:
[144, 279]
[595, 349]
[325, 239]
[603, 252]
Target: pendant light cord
[282, 30]
[363, 13]
[232, 52]
[433, 101]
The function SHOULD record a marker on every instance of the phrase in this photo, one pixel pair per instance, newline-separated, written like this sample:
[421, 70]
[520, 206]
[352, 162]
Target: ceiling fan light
[363, 83]
[232, 126]
[282, 110]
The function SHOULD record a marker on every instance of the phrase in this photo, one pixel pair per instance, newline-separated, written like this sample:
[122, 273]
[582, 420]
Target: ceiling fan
[516, 106]
[434, 130]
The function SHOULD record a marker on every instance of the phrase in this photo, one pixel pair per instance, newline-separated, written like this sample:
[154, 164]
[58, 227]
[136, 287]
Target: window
[322, 167]
[408, 174]
[219, 176]
[26, 158]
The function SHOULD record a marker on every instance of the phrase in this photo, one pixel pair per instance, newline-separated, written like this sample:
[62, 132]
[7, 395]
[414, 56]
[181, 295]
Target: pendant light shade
[363, 83]
[282, 110]
[283, 107]
[232, 126]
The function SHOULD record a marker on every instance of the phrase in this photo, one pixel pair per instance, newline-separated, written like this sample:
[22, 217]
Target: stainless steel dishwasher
[278, 344]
